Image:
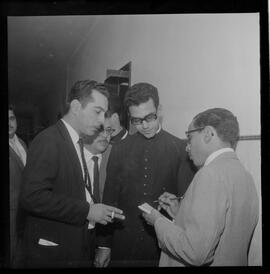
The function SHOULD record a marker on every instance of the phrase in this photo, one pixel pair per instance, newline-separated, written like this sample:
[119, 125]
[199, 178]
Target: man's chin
[149, 135]
[11, 133]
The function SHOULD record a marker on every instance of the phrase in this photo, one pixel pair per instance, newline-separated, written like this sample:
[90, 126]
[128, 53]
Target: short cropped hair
[140, 93]
[82, 91]
[223, 121]
[115, 106]
[12, 108]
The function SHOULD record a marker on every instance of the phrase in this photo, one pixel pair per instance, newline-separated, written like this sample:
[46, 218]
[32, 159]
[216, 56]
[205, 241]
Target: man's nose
[144, 124]
[101, 118]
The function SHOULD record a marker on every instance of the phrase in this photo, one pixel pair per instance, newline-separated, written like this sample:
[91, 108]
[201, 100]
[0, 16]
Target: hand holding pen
[171, 199]
[169, 202]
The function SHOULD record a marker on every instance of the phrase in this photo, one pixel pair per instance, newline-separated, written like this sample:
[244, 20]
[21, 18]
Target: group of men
[85, 177]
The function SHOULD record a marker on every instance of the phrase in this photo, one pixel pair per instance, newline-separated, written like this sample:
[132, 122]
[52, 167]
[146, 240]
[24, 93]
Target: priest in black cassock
[140, 169]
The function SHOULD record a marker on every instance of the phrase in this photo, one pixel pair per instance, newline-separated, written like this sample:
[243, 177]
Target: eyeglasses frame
[143, 119]
[193, 130]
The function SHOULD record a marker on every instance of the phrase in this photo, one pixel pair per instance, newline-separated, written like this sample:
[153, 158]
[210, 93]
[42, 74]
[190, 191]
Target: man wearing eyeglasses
[115, 120]
[215, 222]
[140, 169]
[97, 145]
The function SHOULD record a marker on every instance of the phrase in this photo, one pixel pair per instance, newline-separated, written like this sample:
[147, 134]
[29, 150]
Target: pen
[175, 198]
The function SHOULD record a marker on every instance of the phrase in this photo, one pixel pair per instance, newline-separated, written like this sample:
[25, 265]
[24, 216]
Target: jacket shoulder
[174, 139]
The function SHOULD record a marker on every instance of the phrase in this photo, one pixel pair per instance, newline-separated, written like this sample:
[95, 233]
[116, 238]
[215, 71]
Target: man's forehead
[11, 113]
[191, 125]
[98, 101]
[142, 110]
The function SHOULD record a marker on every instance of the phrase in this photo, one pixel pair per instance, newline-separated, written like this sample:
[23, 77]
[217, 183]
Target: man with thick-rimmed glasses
[140, 169]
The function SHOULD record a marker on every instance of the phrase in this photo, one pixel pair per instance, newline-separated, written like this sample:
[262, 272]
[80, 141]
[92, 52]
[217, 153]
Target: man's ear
[75, 106]
[115, 117]
[159, 110]
[209, 133]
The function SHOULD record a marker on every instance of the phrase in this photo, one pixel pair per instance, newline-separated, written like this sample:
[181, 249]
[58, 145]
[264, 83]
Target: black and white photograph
[137, 134]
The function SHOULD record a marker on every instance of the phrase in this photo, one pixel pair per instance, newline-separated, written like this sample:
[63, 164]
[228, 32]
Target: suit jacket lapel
[23, 144]
[71, 149]
[16, 157]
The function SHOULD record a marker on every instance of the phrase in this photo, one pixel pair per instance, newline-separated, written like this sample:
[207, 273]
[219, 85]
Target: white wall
[197, 61]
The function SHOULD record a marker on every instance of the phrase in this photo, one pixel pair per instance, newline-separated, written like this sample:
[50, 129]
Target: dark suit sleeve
[186, 170]
[45, 193]
[111, 193]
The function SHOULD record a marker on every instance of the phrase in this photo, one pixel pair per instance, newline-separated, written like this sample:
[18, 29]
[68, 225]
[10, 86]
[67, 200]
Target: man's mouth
[103, 143]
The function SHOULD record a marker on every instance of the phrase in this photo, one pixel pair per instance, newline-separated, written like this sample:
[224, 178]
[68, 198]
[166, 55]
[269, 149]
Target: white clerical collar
[72, 132]
[159, 129]
[125, 135]
[215, 154]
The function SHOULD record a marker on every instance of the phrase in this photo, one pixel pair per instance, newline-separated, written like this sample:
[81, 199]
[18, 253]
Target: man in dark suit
[56, 191]
[114, 123]
[17, 161]
[115, 119]
[139, 170]
[96, 146]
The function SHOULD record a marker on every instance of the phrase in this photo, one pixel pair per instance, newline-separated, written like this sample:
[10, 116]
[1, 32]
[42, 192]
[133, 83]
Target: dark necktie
[85, 169]
[96, 180]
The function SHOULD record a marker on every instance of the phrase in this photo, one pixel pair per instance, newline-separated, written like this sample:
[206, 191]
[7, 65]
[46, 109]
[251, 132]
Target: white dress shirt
[90, 165]
[215, 154]
[18, 148]
[75, 138]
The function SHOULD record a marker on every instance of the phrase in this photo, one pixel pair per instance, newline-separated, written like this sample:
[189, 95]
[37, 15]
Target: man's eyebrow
[100, 108]
[142, 117]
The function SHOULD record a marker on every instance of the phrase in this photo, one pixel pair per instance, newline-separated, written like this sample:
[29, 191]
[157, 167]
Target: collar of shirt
[89, 155]
[159, 129]
[12, 140]
[72, 132]
[120, 136]
[215, 154]
[125, 135]
[75, 138]
[18, 148]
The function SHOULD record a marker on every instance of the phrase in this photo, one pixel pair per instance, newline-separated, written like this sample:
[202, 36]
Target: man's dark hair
[141, 93]
[115, 106]
[82, 91]
[11, 107]
[223, 121]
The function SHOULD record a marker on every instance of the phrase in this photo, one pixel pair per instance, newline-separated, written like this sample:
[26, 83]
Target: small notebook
[145, 207]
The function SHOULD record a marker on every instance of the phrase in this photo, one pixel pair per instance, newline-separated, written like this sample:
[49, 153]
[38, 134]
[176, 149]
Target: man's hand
[103, 214]
[168, 202]
[102, 257]
[152, 216]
